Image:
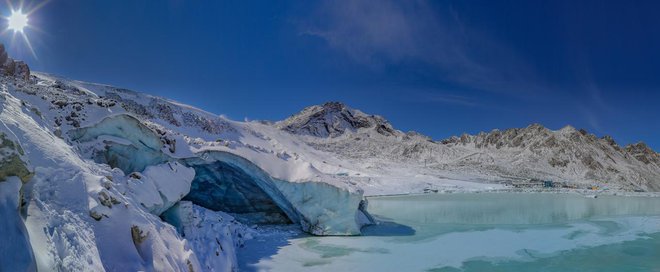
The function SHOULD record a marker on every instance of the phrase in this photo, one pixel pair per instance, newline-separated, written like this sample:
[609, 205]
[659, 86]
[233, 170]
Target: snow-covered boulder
[214, 236]
[159, 187]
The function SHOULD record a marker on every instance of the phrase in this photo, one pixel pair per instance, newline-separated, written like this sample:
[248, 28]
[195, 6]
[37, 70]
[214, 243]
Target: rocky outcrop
[11, 67]
[643, 153]
[10, 160]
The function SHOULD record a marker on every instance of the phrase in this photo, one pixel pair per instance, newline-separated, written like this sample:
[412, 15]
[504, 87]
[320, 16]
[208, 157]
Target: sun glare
[17, 21]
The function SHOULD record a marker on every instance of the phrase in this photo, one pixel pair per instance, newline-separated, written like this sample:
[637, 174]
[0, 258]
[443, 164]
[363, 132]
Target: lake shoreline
[583, 192]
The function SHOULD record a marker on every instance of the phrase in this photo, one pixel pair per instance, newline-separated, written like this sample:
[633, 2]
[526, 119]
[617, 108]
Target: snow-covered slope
[387, 159]
[89, 173]
[75, 212]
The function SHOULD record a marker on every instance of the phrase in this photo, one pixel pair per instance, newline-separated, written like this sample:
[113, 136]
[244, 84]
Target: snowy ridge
[568, 156]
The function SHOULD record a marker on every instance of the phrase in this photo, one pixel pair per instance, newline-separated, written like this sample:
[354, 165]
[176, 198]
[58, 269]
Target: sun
[17, 21]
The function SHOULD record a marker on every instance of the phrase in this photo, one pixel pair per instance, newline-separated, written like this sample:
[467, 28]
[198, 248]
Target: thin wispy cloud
[452, 99]
[435, 96]
[377, 32]
[594, 105]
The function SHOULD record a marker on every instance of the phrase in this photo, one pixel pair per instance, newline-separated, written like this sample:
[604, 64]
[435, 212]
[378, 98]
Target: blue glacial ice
[227, 182]
[121, 141]
[319, 208]
[15, 250]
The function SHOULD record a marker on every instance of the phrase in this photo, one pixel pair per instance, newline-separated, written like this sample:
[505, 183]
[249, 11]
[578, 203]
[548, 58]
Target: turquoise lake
[478, 232]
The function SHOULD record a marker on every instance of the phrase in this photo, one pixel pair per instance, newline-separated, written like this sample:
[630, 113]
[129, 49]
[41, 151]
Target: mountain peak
[568, 129]
[536, 126]
[332, 119]
[334, 105]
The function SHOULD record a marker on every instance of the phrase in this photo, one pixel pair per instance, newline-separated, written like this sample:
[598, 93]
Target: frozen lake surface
[477, 232]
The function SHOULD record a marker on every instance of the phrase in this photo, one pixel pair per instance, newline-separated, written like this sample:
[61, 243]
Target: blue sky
[438, 67]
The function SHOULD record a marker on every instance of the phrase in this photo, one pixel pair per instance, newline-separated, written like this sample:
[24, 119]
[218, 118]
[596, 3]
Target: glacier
[221, 186]
[99, 178]
[74, 213]
[223, 181]
[88, 185]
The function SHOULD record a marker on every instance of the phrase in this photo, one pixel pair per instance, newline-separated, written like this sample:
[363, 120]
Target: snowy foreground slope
[98, 178]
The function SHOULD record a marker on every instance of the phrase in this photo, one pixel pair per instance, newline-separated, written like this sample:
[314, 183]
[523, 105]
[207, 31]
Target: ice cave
[227, 182]
[221, 186]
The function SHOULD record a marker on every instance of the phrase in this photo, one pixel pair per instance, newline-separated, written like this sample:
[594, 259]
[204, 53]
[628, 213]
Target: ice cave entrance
[223, 182]
[221, 186]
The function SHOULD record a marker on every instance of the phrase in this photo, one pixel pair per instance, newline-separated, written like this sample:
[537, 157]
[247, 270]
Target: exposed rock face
[643, 153]
[3, 54]
[332, 119]
[162, 109]
[11, 67]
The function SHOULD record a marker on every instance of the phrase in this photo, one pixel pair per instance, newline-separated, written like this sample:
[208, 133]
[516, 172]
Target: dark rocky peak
[332, 119]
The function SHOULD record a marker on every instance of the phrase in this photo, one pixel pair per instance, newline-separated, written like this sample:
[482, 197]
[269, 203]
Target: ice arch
[221, 186]
[319, 208]
[228, 182]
